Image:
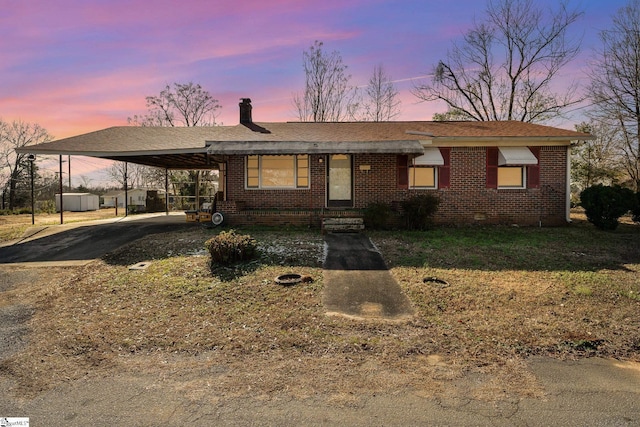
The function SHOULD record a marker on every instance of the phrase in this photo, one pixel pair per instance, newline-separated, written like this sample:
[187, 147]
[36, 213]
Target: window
[511, 177]
[270, 171]
[302, 167]
[422, 177]
[513, 167]
[428, 171]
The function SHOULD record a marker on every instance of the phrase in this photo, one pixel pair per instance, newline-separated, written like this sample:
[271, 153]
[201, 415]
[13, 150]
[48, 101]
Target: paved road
[590, 392]
[83, 242]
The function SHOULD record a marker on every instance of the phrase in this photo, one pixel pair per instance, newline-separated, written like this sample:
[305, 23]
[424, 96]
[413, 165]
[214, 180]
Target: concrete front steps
[342, 224]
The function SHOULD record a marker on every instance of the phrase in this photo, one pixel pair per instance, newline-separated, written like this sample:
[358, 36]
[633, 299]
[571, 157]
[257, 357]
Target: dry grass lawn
[511, 293]
[14, 226]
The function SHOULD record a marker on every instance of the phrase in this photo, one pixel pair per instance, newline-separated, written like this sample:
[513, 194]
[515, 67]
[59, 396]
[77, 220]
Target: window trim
[296, 171]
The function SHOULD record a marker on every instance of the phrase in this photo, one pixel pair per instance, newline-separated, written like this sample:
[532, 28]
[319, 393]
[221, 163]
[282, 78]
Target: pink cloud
[79, 65]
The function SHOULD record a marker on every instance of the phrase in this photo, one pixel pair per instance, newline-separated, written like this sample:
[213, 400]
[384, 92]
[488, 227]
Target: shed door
[340, 181]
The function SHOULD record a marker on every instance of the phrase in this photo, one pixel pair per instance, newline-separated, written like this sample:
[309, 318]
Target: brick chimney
[245, 111]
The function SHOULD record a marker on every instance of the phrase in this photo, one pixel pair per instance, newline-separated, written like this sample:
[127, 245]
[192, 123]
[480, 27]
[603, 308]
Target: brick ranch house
[503, 172]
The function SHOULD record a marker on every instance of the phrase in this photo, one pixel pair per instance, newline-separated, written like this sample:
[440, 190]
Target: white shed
[78, 202]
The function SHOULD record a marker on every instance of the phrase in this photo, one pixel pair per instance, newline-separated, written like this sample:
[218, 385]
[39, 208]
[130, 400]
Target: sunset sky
[74, 66]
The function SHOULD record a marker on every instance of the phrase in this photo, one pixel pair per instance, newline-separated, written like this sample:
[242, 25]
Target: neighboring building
[299, 173]
[139, 199]
[78, 202]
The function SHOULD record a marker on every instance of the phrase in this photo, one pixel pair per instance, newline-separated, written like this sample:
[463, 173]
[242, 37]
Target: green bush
[47, 206]
[16, 211]
[418, 211]
[604, 205]
[229, 247]
[376, 216]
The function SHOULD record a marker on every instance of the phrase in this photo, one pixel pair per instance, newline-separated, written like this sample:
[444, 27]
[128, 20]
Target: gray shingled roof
[186, 147]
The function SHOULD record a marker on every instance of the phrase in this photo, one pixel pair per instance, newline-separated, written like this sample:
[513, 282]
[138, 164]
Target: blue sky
[75, 66]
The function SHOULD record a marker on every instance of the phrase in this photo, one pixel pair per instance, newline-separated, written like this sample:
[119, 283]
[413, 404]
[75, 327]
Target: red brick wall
[276, 199]
[467, 200]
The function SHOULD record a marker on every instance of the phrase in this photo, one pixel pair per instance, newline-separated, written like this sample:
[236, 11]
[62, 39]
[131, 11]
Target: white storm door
[340, 181]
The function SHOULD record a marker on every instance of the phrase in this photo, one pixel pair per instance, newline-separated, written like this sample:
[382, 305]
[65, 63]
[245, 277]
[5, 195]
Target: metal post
[126, 191]
[69, 160]
[198, 191]
[166, 191]
[31, 159]
[61, 206]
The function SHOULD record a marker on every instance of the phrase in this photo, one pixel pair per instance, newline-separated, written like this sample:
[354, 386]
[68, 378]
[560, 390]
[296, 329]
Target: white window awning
[508, 156]
[431, 157]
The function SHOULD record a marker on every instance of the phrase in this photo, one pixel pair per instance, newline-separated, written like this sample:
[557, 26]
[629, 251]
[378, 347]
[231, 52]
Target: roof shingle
[132, 140]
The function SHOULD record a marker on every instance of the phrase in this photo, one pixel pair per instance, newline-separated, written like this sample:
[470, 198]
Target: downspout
[568, 190]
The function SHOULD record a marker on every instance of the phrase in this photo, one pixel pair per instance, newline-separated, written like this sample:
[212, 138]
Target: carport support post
[61, 207]
[32, 158]
[126, 191]
[198, 191]
[166, 191]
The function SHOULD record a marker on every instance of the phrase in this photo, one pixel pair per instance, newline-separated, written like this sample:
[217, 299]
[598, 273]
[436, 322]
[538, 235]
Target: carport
[169, 148]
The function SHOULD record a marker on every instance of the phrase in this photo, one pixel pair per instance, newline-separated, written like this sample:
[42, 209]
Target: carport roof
[202, 147]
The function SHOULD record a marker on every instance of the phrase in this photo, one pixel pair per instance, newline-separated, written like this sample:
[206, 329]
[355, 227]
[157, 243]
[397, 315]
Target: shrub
[636, 211]
[418, 210]
[47, 206]
[376, 216]
[604, 205]
[229, 247]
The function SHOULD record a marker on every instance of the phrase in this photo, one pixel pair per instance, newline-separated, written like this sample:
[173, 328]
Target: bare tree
[134, 174]
[327, 96]
[15, 166]
[505, 66]
[85, 182]
[382, 102]
[186, 104]
[597, 161]
[615, 85]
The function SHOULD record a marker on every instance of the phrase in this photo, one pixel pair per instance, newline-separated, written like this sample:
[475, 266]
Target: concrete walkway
[357, 282]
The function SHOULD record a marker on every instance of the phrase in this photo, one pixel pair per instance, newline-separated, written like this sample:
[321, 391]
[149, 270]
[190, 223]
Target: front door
[340, 181]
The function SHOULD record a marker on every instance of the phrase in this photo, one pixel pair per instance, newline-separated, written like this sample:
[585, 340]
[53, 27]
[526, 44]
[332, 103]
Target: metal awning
[431, 157]
[328, 147]
[516, 156]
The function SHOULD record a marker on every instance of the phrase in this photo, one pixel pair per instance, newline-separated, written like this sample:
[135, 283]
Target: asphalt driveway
[82, 242]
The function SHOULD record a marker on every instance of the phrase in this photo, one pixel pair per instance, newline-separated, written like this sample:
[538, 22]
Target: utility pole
[32, 158]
